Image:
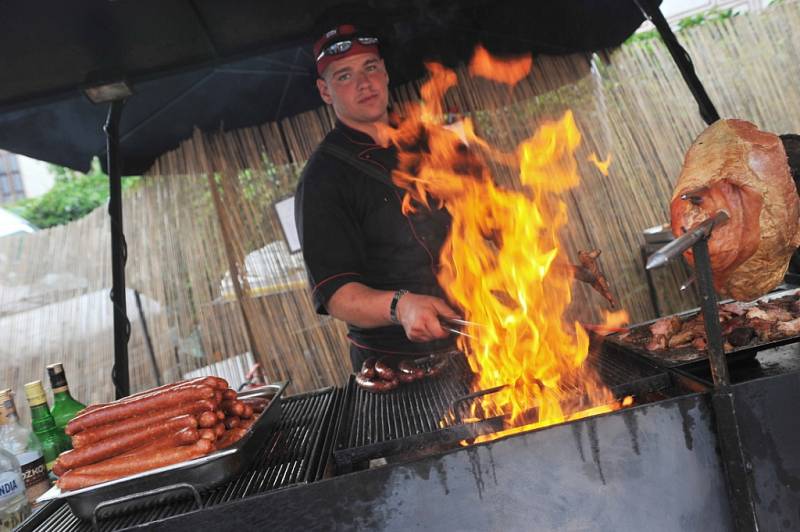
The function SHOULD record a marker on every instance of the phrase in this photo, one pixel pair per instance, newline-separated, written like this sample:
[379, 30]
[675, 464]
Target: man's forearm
[360, 305]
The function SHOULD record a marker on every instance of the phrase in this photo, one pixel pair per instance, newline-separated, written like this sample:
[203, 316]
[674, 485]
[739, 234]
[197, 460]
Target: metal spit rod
[736, 464]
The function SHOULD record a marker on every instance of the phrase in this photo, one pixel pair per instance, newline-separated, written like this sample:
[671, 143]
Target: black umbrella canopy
[212, 64]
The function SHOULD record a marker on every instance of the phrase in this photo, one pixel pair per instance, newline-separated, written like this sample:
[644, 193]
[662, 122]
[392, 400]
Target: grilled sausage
[384, 370]
[123, 442]
[77, 479]
[376, 385]
[407, 367]
[208, 434]
[219, 429]
[259, 404]
[95, 434]
[406, 378]
[368, 368]
[229, 394]
[248, 411]
[147, 404]
[232, 408]
[246, 423]
[437, 367]
[207, 419]
[231, 437]
[222, 384]
[218, 396]
[231, 422]
[220, 415]
[185, 436]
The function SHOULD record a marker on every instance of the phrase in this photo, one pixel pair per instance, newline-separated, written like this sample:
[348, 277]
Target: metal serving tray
[176, 481]
[688, 357]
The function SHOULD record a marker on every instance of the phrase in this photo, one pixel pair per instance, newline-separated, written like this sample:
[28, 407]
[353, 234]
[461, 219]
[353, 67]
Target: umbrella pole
[681, 57]
[119, 253]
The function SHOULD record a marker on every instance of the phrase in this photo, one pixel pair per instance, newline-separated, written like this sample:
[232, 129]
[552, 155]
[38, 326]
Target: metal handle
[685, 241]
[471, 396]
[144, 494]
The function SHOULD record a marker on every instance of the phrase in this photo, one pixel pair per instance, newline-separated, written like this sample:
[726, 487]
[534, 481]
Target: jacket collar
[353, 135]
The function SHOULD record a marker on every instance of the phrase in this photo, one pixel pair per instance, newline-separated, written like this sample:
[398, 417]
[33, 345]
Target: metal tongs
[455, 325]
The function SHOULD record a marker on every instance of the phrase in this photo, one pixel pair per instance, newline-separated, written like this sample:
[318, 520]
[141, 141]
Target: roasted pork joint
[734, 167]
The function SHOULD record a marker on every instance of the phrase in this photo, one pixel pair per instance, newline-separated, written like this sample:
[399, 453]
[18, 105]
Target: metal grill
[408, 419]
[297, 452]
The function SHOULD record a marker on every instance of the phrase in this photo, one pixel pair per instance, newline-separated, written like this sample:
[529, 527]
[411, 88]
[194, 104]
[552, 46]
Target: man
[369, 265]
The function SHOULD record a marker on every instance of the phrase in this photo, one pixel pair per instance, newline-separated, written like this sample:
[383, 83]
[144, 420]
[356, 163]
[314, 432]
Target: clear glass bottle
[14, 505]
[65, 407]
[43, 425]
[24, 445]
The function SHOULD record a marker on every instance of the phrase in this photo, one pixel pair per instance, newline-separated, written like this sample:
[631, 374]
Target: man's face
[358, 88]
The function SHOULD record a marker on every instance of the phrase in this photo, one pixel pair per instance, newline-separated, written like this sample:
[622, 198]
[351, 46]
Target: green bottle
[64, 406]
[43, 424]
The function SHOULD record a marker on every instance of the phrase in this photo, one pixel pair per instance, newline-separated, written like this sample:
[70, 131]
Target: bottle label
[8, 412]
[34, 473]
[11, 485]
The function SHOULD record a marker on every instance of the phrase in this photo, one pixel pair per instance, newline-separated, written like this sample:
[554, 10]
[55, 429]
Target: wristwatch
[393, 308]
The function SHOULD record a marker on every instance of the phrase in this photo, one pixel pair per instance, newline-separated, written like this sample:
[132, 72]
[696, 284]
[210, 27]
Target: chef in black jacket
[369, 264]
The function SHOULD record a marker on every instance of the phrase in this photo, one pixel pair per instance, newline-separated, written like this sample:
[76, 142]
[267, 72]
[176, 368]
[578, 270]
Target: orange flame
[498, 262]
[508, 71]
[613, 322]
[601, 165]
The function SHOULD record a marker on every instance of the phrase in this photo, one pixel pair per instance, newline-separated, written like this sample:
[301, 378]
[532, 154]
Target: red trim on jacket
[331, 278]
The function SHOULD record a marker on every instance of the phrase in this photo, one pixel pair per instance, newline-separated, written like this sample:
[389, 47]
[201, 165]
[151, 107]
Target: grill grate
[407, 419]
[411, 409]
[297, 452]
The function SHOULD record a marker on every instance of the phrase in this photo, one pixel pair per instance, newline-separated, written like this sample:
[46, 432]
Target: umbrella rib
[152, 116]
[261, 72]
[285, 90]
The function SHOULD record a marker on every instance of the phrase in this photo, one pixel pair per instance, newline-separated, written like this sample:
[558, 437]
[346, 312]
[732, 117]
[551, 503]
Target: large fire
[503, 264]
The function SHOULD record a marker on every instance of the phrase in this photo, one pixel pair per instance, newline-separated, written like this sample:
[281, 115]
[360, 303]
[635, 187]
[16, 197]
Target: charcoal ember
[741, 336]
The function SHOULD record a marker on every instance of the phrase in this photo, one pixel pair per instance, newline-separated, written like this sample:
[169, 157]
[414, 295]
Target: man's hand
[419, 316]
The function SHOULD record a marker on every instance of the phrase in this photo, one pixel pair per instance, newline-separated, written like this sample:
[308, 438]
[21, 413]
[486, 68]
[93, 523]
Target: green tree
[73, 196]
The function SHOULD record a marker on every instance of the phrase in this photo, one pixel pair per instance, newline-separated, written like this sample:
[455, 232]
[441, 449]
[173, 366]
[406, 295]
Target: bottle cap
[58, 380]
[35, 393]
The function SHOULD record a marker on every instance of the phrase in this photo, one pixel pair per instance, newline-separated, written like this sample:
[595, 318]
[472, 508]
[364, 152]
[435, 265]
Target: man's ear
[324, 92]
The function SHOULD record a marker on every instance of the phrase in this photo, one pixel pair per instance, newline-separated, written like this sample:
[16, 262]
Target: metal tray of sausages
[181, 480]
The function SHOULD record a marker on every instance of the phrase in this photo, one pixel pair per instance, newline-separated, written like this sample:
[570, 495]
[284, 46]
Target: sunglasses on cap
[340, 47]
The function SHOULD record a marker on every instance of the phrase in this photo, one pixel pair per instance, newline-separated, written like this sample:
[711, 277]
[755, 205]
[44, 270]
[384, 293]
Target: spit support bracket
[697, 240]
[735, 461]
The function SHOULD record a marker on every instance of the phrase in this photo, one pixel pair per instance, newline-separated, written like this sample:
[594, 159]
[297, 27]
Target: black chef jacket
[349, 219]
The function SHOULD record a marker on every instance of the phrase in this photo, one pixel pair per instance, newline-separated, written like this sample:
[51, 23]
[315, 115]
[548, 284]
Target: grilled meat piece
[589, 272]
[681, 339]
[734, 167]
[741, 336]
[666, 326]
[789, 328]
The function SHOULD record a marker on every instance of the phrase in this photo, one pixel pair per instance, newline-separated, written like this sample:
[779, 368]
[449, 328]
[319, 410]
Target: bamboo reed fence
[207, 253]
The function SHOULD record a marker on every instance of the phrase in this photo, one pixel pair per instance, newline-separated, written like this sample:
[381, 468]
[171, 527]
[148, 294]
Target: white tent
[11, 224]
[268, 270]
